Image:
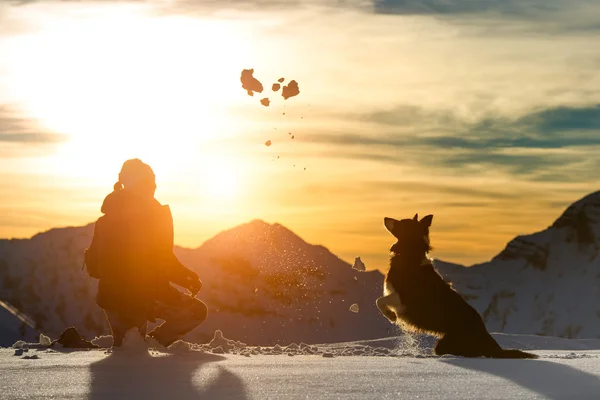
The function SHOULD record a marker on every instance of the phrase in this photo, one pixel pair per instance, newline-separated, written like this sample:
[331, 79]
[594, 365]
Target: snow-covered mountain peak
[545, 283]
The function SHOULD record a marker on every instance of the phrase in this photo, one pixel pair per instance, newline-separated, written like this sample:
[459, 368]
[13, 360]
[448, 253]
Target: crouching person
[131, 254]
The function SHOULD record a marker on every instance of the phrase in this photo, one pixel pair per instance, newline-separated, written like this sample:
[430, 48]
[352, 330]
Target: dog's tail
[513, 353]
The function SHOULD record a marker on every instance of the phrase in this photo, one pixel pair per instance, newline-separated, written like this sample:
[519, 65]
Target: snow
[359, 265]
[401, 373]
[262, 283]
[545, 283]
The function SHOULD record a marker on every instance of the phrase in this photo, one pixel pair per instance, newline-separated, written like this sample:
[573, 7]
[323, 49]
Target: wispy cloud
[542, 145]
[513, 8]
[14, 128]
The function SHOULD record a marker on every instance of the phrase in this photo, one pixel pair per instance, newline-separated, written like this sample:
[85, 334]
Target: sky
[485, 114]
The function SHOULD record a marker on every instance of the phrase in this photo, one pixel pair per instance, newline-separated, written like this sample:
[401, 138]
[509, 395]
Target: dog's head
[412, 234]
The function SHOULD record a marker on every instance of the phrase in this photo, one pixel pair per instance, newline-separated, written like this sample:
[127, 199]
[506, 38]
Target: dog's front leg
[390, 306]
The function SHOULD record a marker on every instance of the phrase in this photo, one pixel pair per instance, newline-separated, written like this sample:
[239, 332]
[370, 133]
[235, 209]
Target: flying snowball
[250, 83]
[290, 90]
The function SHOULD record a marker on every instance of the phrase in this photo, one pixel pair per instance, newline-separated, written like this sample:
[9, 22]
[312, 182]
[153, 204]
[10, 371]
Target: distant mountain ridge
[263, 285]
[545, 283]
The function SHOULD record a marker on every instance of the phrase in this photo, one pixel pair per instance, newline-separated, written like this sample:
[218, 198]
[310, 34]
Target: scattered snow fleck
[354, 308]
[358, 264]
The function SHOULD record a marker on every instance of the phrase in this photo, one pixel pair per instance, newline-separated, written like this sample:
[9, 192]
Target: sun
[122, 83]
[222, 182]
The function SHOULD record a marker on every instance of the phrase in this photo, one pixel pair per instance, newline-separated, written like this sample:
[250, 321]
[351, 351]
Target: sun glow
[122, 83]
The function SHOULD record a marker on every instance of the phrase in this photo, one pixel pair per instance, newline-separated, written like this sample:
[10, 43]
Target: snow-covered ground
[566, 369]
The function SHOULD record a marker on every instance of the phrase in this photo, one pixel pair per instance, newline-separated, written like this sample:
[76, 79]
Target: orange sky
[486, 118]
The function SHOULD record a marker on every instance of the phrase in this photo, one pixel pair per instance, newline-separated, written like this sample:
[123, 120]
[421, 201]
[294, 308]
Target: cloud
[552, 144]
[453, 7]
[552, 128]
[16, 129]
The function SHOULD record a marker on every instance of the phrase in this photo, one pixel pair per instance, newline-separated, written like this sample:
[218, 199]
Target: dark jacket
[134, 240]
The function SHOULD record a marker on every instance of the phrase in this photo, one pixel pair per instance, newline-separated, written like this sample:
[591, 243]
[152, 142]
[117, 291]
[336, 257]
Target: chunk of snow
[359, 265]
[268, 143]
[181, 346]
[354, 308]
[250, 83]
[133, 343]
[45, 340]
[220, 341]
[104, 341]
[290, 90]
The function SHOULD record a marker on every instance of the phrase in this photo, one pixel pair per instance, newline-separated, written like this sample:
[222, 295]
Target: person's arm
[173, 269]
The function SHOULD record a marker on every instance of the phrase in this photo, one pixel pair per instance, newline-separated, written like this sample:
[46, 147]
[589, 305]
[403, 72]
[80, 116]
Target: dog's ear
[426, 221]
[416, 217]
[389, 224]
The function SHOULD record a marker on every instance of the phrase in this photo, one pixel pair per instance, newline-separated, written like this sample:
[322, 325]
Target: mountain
[262, 283]
[265, 285]
[546, 283]
[281, 289]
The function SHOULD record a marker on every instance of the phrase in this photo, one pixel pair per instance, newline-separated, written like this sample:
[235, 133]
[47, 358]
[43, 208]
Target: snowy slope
[546, 283]
[42, 277]
[14, 326]
[266, 285]
[558, 374]
[263, 285]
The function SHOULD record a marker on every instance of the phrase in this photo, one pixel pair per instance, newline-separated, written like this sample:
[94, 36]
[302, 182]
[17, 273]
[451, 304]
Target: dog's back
[431, 305]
